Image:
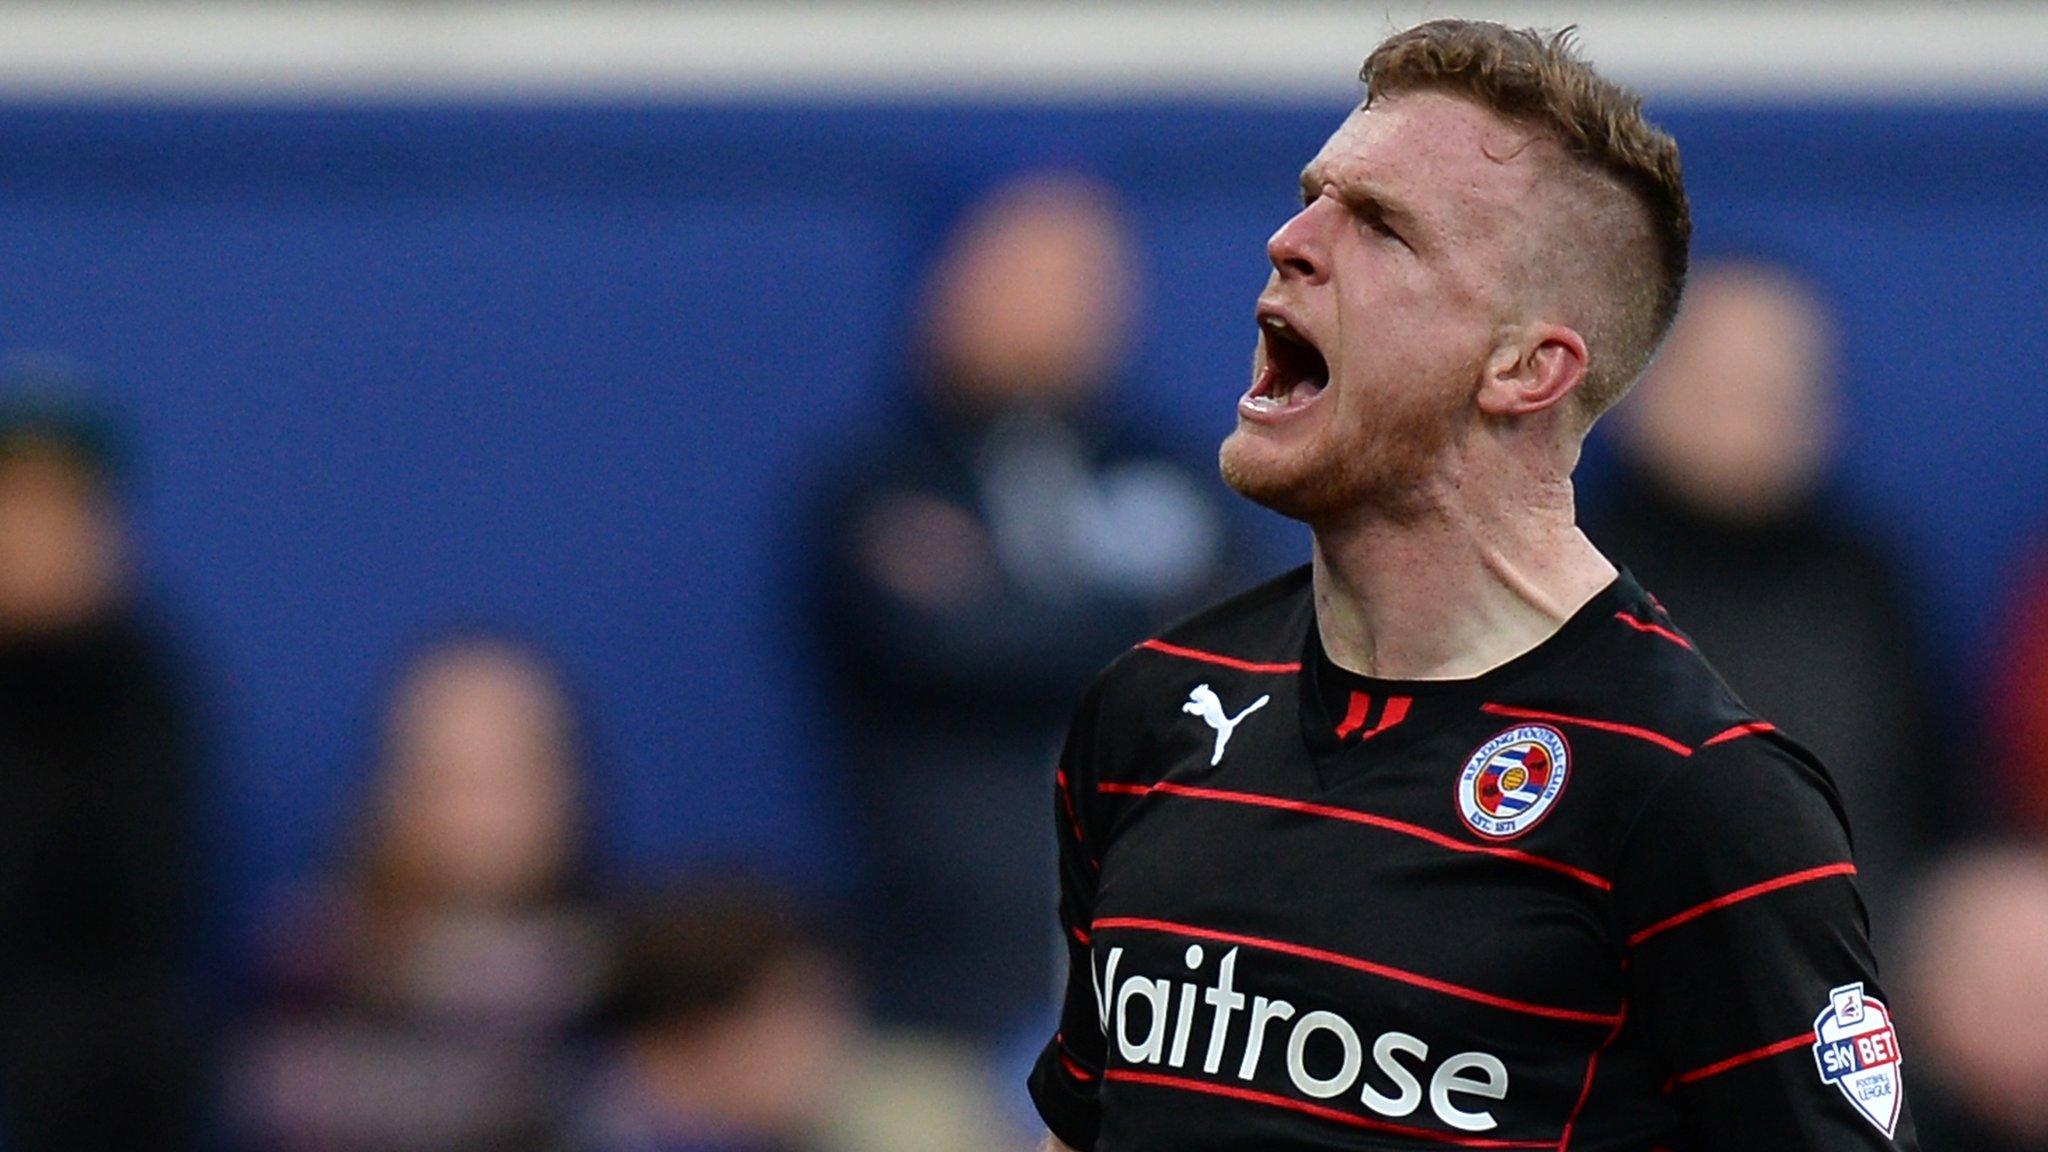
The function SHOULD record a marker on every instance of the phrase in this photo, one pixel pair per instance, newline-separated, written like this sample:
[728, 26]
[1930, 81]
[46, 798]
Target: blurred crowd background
[540, 620]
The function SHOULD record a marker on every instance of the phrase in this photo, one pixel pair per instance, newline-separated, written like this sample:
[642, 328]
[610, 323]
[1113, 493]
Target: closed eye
[1364, 206]
[1313, 187]
[1371, 218]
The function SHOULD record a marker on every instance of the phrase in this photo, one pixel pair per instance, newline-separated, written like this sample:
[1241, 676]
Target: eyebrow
[1358, 196]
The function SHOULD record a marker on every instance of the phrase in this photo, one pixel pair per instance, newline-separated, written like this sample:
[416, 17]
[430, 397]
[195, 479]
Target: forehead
[1441, 156]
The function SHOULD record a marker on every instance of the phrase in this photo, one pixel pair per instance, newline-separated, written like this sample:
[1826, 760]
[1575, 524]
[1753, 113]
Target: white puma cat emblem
[1204, 702]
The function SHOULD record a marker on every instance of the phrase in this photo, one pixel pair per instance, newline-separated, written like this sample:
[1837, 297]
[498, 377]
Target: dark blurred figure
[432, 999]
[2019, 704]
[976, 568]
[733, 1025]
[101, 1045]
[1974, 1021]
[1718, 507]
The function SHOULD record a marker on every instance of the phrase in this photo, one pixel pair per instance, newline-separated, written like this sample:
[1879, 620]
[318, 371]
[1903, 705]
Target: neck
[1456, 591]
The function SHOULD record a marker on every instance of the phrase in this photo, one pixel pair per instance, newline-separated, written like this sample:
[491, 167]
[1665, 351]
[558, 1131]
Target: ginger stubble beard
[1373, 462]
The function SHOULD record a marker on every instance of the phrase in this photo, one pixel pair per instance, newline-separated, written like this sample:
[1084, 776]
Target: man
[102, 1045]
[1718, 499]
[731, 1028]
[1976, 949]
[974, 565]
[1472, 849]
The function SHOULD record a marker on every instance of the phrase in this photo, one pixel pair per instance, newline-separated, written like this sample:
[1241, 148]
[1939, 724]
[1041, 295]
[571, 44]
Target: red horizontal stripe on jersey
[1788, 1044]
[1252, 1096]
[1739, 731]
[1214, 658]
[1353, 816]
[1804, 876]
[1073, 1066]
[1659, 739]
[1082, 938]
[1075, 1070]
[1340, 960]
[1653, 629]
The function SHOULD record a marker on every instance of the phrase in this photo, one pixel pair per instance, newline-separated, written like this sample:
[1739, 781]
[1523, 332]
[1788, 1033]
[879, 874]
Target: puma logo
[1204, 702]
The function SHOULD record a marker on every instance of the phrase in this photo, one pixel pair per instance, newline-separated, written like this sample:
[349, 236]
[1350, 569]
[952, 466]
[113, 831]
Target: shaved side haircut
[1619, 262]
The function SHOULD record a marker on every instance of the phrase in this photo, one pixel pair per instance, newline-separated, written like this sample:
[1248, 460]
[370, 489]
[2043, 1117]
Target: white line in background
[936, 50]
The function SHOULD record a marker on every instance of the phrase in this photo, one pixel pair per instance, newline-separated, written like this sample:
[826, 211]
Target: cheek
[1383, 350]
[1385, 307]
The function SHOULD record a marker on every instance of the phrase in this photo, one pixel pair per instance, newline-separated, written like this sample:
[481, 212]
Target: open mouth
[1294, 371]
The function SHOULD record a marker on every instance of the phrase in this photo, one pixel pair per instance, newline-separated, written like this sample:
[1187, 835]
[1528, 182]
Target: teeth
[1284, 396]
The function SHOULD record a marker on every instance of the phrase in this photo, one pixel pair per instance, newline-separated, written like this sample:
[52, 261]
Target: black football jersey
[1585, 902]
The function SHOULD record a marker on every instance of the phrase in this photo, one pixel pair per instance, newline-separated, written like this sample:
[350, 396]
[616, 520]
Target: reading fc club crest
[1512, 780]
[1858, 1052]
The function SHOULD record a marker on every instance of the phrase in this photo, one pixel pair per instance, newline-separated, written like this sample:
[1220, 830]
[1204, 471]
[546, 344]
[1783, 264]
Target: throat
[1397, 613]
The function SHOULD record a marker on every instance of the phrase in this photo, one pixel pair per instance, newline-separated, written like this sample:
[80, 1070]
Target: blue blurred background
[570, 369]
[509, 318]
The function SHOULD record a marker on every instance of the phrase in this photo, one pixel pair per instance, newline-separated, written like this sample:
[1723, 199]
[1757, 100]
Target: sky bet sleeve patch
[1858, 1052]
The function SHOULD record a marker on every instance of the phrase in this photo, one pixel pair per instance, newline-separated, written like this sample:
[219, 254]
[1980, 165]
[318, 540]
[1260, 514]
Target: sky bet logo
[1153, 1022]
[1859, 1053]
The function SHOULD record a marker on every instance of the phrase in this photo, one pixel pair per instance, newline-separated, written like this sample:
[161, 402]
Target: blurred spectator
[430, 1000]
[977, 567]
[1975, 1024]
[2019, 700]
[101, 1046]
[1717, 506]
[733, 1028]
[734, 1025]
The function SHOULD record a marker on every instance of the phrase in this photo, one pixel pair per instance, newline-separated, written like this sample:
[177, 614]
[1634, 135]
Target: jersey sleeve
[1068, 1075]
[1749, 957]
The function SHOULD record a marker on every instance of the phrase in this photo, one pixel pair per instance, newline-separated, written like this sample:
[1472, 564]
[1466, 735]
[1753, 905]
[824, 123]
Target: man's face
[1390, 288]
[1736, 416]
[61, 552]
[1031, 302]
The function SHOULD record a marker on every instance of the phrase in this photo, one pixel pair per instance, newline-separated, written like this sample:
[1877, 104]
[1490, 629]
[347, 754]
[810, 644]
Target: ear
[1533, 370]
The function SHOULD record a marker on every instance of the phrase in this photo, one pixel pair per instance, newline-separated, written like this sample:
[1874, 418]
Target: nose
[1296, 249]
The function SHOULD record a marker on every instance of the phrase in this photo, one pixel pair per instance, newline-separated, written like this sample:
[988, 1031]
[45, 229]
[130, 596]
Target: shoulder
[1664, 742]
[1726, 804]
[1253, 636]
[1638, 675]
[1743, 844]
[1759, 783]
[1721, 747]
[1258, 632]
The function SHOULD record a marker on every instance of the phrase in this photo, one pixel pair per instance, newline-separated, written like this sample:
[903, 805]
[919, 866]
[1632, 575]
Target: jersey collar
[1329, 693]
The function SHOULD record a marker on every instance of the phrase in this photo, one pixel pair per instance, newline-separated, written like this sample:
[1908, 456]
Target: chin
[1321, 484]
[1292, 483]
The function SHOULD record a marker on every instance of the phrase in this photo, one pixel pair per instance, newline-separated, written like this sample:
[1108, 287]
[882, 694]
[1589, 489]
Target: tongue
[1303, 389]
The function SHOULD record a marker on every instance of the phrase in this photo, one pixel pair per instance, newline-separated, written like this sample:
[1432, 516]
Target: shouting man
[1503, 864]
